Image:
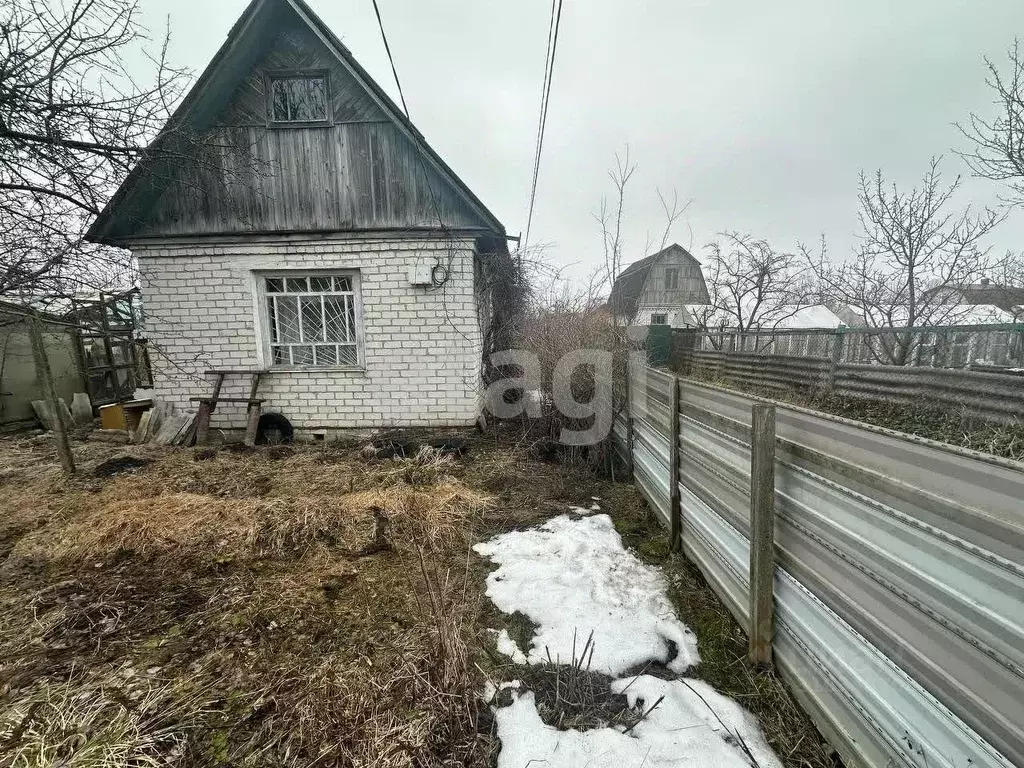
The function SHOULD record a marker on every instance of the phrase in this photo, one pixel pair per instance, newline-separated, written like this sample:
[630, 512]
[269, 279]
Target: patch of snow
[509, 647]
[491, 690]
[572, 576]
[692, 726]
[582, 510]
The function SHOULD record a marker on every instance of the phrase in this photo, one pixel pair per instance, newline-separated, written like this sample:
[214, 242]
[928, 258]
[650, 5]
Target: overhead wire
[549, 68]
[426, 180]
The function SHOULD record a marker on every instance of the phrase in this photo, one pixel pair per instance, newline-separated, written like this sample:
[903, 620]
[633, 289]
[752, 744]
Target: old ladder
[207, 405]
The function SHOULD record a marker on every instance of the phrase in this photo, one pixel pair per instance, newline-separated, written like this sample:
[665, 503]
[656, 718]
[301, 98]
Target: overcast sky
[762, 113]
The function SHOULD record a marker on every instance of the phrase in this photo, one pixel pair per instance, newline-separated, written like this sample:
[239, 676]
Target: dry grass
[308, 606]
[254, 608]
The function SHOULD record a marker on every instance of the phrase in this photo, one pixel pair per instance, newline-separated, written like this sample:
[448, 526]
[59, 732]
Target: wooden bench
[207, 405]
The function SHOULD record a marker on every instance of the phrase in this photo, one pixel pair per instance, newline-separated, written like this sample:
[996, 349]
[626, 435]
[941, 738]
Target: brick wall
[421, 347]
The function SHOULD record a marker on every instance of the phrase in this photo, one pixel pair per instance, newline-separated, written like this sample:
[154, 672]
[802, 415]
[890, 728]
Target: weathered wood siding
[692, 288]
[361, 173]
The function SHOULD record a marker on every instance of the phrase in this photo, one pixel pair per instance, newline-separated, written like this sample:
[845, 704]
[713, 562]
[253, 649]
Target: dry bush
[569, 324]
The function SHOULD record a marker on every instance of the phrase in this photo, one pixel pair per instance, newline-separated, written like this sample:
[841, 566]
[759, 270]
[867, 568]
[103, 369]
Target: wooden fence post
[675, 510]
[762, 532]
[45, 375]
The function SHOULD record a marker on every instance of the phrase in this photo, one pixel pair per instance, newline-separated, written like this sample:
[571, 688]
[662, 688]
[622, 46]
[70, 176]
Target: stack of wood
[163, 425]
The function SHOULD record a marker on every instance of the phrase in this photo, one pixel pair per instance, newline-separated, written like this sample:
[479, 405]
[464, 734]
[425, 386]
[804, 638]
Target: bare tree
[610, 218]
[913, 250]
[998, 152]
[75, 116]
[610, 223]
[751, 285]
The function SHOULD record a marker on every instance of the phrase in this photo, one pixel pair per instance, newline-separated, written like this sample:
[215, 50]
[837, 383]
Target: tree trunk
[45, 376]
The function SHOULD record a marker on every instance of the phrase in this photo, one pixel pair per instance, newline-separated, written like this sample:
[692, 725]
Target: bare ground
[303, 606]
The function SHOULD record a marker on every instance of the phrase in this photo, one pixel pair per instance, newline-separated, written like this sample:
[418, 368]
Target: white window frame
[659, 314]
[266, 342]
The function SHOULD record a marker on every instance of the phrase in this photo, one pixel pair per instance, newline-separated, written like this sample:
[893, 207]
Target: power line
[549, 68]
[387, 49]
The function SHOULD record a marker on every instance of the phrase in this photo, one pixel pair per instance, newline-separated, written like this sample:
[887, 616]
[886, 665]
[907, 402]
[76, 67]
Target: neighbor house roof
[629, 285]
[205, 100]
[786, 317]
[1000, 296]
[940, 315]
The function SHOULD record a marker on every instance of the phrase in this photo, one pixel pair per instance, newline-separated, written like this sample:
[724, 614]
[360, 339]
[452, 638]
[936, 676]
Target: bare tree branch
[913, 250]
[998, 152]
[751, 285]
[74, 119]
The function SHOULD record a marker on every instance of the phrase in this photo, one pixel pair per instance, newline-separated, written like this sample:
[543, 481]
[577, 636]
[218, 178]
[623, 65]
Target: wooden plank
[203, 422]
[762, 532]
[675, 508]
[252, 424]
[45, 376]
[216, 388]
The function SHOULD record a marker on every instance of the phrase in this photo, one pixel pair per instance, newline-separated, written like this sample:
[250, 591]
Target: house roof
[205, 100]
[629, 285]
[788, 317]
[1000, 296]
[941, 315]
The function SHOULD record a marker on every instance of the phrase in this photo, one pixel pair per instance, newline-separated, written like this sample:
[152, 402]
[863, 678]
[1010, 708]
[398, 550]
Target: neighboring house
[315, 235]
[986, 293]
[783, 318]
[656, 290]
[940, 315]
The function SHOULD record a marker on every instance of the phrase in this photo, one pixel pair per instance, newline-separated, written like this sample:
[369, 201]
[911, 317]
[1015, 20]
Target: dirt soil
[311, 606]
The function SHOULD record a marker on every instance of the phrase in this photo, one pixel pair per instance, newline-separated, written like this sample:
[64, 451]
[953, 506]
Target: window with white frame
[312, 319]
[659, 319]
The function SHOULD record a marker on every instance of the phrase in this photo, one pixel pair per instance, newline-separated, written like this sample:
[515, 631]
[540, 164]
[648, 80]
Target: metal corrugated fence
[995, 396]
[899, 586]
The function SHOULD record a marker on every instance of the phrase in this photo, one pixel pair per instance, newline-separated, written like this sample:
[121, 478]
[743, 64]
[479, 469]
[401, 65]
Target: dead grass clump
[223, 529]
[95, 724]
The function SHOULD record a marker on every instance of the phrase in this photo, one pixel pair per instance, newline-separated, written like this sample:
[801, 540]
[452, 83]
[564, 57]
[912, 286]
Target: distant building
[986, 293]
[788, 317]
[945, 314]
[657, 289]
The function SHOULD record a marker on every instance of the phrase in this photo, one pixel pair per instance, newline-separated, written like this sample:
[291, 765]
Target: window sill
[279, 124]
[355, 369]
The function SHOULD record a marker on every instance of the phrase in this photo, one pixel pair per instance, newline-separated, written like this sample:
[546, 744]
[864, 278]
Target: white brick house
[340, 254]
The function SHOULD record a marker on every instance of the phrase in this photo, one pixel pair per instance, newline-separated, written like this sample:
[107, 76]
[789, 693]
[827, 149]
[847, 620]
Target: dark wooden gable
[642, 283]
[369, 170]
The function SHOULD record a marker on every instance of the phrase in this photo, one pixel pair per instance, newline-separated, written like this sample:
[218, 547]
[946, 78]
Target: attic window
[298, 98]
[671, 279]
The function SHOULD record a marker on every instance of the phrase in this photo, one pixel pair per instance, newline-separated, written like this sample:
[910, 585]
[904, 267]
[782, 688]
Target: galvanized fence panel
[899, 587]
[649, 398]
[947, 346]
[995, 396]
